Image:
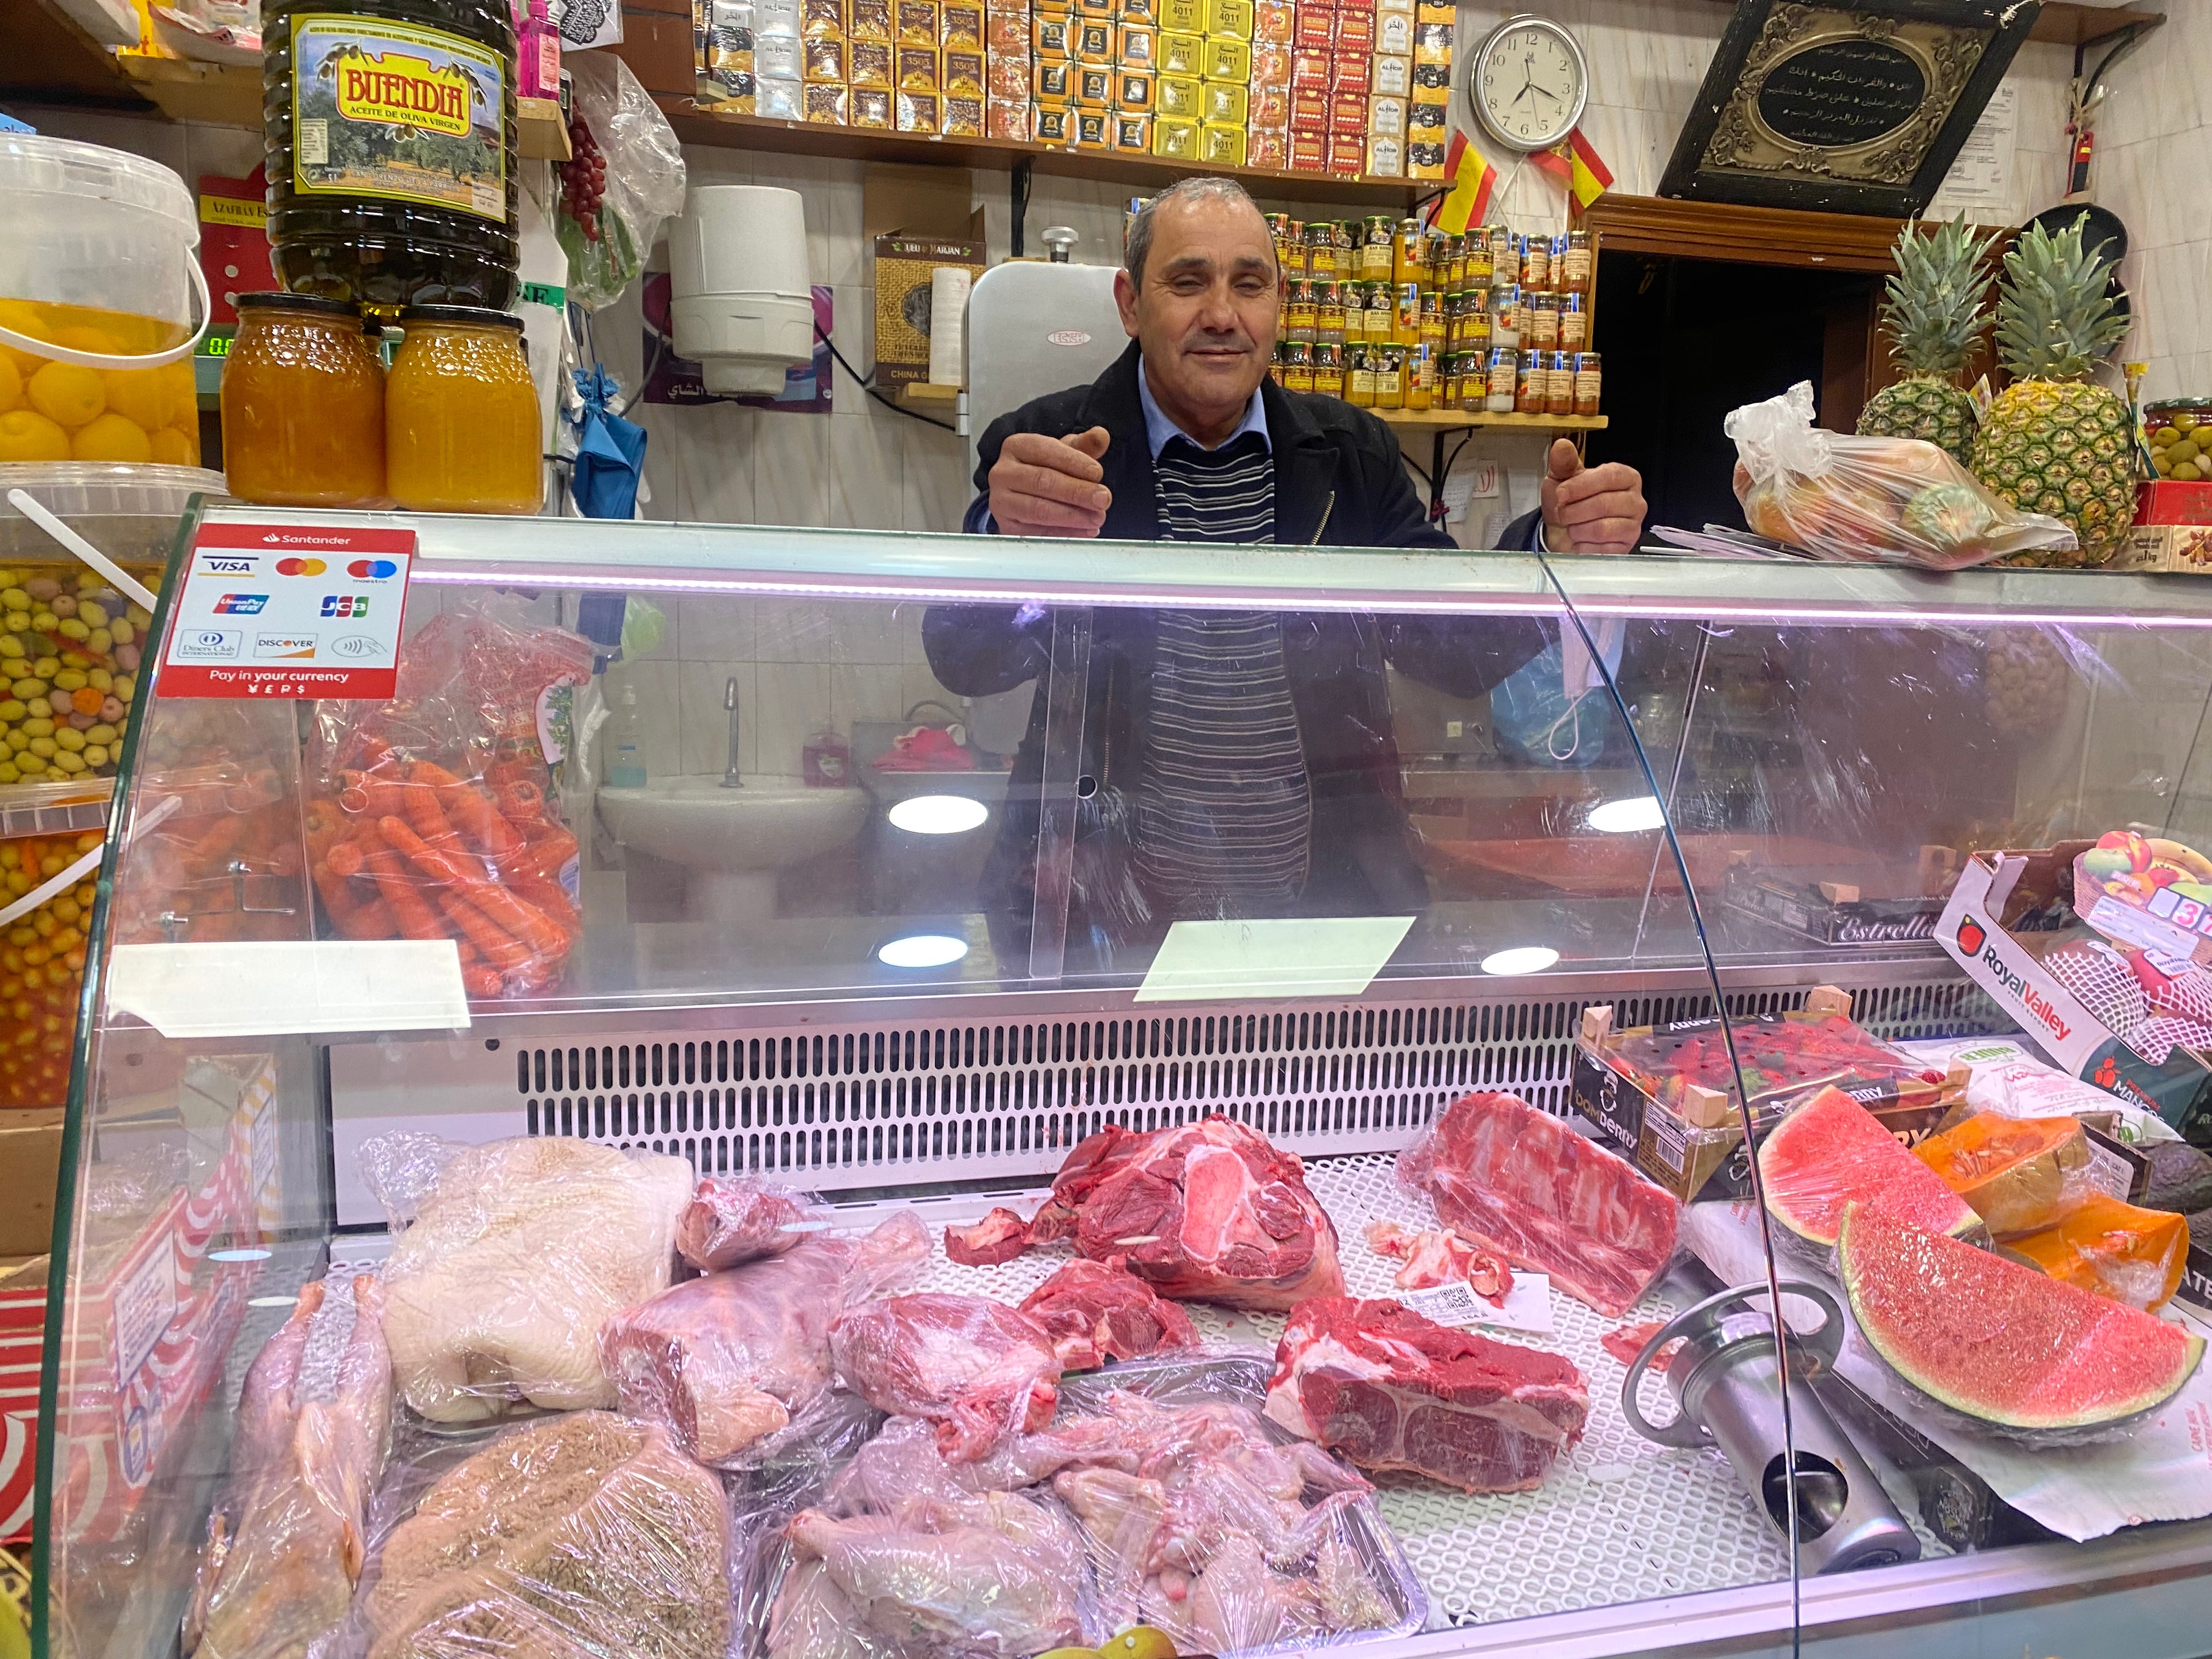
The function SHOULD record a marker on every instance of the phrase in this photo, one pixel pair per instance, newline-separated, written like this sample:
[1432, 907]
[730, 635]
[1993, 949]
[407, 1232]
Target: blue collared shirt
[1159, 428]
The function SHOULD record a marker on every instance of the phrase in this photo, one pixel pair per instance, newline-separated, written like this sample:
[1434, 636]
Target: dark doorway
[1684, 341]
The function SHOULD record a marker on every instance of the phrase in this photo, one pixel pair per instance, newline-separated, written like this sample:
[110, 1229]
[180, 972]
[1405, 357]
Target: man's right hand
[1043, 486]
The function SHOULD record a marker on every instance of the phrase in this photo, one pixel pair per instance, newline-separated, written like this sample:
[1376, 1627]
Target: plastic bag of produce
[509, 1257]
[625, 178]
[1871, 501]
[734, 1219]
[733, 1362]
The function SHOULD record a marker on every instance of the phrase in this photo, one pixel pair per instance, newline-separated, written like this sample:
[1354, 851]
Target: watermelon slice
[1831, 1151]
[1999, 1341]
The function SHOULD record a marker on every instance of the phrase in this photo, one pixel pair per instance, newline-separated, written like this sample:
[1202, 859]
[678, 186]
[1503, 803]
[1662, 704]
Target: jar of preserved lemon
[460, 415]
[303, 404]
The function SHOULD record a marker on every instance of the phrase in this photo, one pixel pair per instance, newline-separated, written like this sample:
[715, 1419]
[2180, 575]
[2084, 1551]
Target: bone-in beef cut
[977, 1368]
[1099, 1310]
[1389, 1389]
[1207, 1211]
[1545, 1198]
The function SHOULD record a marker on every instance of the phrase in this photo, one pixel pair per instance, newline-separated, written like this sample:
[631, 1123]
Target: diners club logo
[1972, 938]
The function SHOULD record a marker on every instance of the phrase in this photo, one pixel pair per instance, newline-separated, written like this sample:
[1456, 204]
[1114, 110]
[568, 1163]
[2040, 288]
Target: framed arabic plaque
[1842, 108]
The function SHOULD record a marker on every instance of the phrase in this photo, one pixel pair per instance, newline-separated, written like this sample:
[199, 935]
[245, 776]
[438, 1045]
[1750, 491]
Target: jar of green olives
[2180, 434]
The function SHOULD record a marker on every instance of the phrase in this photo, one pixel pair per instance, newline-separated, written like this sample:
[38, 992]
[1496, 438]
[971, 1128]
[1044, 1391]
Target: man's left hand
[1597, 510]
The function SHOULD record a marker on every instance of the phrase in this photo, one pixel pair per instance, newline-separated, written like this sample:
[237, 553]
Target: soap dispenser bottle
[626, 743]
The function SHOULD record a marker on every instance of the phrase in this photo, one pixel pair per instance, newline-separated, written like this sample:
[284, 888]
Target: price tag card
[286, 611]
[1528, 1304]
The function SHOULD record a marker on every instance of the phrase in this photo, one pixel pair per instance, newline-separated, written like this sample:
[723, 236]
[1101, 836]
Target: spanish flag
[1472, 179]
[1576, 164]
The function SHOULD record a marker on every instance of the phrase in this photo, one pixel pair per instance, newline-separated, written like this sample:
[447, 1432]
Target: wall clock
[1527, 82]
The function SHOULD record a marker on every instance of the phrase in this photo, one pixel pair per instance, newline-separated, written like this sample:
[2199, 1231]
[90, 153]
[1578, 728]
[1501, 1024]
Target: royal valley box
[1978, 929]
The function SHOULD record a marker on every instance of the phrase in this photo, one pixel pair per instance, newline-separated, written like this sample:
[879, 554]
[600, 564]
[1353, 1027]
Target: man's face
[1208, 312]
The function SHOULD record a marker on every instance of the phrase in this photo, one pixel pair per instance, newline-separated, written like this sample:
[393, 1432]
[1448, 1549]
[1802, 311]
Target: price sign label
[289, 611]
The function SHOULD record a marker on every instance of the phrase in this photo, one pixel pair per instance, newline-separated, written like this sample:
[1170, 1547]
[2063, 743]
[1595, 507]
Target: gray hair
[1136, 241]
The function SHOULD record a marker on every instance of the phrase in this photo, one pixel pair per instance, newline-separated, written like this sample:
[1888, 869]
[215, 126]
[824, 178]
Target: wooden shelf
[696, 125]
[1432, 420]
[219, 95]
[544, 134]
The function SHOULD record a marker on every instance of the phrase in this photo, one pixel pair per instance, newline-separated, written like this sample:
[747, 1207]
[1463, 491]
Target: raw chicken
[578, 1537]
[979, 1369]
[1440, 1256]
[999, 1237]
[734, 1219]
[1098, 1310]
[285, 1549]
[1392, 1390]
[1523, 1183]
[518, 1252]
[991, 1576]
[724, 1360]
[812, 1618]
[1207, 1211]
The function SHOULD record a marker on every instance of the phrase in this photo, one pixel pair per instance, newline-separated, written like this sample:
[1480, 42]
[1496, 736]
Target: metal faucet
[730, 778]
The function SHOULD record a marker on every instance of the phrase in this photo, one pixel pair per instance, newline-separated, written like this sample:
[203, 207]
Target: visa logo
[215, 567]
[345, 605]
[240, 604]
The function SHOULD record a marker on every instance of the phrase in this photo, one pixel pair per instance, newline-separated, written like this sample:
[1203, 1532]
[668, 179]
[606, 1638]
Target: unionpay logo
[301, 567]
[372, 570]
[241, 605]
[1972, 938]
[345, 605]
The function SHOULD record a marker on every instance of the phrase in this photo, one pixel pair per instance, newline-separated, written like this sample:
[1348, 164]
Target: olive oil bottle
[389, 131]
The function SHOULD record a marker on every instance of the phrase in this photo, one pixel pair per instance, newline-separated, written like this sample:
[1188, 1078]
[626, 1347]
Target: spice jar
[1574, 274]
[460, 415]
[303, 404]
[1544, 321]
[1558, 383]
[1505, 314]
[1499, 378]
[1587, 383]
[1329, 312]
[1574, 322]
[1299, 322]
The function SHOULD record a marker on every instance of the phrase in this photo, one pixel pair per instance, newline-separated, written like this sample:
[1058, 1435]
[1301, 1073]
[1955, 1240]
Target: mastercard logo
[371, 569]
[301, 567]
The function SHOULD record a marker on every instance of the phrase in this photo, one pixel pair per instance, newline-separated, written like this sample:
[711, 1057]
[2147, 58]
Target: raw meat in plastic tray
[1544, 1197]
[725, 1361]
[1190, 1509]
[574, 1536]
[734, 1219]
[313, 1426]
[980, 1370]
[509, 1257]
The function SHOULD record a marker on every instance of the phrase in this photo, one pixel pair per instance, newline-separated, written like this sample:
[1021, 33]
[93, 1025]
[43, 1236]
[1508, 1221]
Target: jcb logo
[345, 605]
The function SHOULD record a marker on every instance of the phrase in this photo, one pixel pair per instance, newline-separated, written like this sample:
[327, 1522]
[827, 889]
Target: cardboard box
[1221, 146]
[2182, 549]
[1094, 40]
[30, 1173]
[1183, 16]
[1228, 59]
[1056, 124]
[1846, 913]
[1268, 146]
[1226, 104]
[1180, 97]
[1179, 53]
[1175, 137]
[1978, 930]
[903, 267]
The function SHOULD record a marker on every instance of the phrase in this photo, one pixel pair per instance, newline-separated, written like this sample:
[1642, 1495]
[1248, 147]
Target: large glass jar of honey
[303, 404]
[388, 127]
[460, 415]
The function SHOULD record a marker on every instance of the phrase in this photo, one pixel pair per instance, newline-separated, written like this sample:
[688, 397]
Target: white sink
[733, 841]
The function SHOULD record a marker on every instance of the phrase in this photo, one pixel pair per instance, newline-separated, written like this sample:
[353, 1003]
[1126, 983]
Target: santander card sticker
[289, 611]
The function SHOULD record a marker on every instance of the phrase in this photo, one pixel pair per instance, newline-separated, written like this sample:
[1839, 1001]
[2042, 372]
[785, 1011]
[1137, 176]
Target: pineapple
[1932, 315]
[2054, 442]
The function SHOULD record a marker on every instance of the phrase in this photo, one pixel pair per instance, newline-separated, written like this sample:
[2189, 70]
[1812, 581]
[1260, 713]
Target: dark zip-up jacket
[1339, 482]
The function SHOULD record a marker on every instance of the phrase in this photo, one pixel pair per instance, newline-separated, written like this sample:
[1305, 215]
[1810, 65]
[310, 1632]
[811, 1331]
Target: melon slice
[1999, 1341]
[2115, 1250]
[1831, 1151]
[2019, 1173]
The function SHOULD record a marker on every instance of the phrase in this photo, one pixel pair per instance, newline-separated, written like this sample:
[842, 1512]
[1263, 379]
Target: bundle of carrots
[408, 850]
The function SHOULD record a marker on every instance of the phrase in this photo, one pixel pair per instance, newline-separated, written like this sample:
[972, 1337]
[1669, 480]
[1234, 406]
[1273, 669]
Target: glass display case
[894, 867]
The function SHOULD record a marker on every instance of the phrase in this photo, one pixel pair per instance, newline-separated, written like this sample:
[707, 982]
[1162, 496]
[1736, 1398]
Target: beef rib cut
[1205, 1211]
[1545, 1198]
[1389, 1389]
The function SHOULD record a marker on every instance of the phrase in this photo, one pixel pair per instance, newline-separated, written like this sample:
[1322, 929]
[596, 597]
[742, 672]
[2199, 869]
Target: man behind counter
[1235, 764]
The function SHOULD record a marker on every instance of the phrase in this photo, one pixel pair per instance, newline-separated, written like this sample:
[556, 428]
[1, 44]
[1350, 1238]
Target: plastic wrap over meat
[1207, 1211]
[1391, 1389]
[1545, 1198]
[578, 1537]
[1099, 1310]
[979, 1369]
[509, 1258]
[734, 1219]
[725, 1361]
[285, 1546]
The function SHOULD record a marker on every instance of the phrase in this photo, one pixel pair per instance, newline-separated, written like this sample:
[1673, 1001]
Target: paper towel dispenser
[1035, 328]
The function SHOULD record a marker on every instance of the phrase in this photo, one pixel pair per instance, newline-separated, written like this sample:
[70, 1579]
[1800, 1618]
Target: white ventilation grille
[878, 1104]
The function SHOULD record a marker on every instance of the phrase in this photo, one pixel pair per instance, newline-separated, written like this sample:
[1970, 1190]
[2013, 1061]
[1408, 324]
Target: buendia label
[399, 111]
